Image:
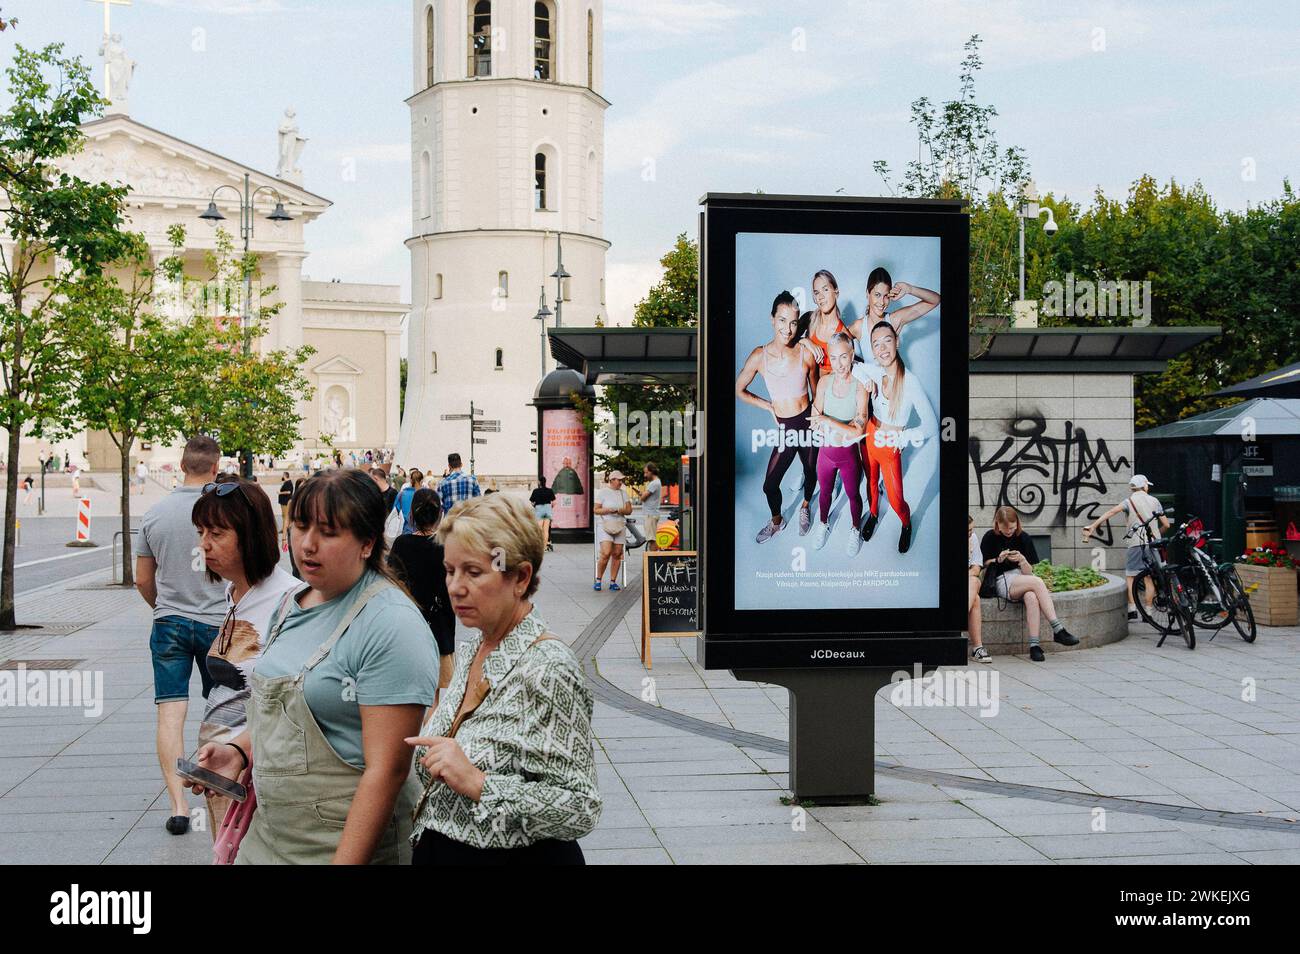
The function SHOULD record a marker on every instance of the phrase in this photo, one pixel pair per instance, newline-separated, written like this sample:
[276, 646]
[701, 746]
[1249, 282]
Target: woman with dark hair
[543, 500]
[347, 670]
[404, 497]
[881, 290]
[789, 374]
[896, 395]
[416, 560]
[237, 537]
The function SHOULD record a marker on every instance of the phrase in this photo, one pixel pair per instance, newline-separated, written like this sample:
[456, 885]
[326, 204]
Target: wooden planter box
[1274, 600]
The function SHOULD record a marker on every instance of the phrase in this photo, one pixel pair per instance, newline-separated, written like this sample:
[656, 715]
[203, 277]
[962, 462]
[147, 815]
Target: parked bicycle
[1220, 597]
[1171, 606]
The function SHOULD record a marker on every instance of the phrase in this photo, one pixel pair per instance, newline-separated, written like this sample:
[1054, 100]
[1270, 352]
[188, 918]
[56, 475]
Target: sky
[714, 96]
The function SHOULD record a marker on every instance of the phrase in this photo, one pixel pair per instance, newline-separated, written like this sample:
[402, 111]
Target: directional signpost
[476, 426]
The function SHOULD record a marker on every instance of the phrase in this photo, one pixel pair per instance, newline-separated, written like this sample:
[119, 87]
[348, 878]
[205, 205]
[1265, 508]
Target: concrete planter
[1096, 615]
[1273, 600]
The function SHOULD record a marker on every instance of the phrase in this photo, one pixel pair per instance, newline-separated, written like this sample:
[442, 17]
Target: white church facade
[507, 149]
[355, 328]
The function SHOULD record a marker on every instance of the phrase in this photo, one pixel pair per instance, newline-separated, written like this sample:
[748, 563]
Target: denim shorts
[542, 511]
[176, 644]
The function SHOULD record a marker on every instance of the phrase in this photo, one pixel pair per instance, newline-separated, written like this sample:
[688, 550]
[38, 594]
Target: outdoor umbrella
[1282, 383]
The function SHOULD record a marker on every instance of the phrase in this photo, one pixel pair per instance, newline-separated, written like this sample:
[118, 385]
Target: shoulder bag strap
[357, 606]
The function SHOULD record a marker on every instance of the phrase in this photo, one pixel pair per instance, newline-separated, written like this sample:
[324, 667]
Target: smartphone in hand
[198, 775]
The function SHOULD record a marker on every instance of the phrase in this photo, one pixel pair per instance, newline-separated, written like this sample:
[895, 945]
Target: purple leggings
[846, 461]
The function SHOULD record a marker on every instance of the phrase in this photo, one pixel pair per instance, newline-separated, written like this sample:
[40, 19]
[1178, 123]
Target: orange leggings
[889, 461]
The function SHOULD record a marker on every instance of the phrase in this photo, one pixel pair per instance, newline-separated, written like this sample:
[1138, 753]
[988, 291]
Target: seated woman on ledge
[1010, 556]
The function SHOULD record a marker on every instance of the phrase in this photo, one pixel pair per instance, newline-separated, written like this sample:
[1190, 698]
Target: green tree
[672, 303]
[959, 157]
[247, 401]
[61, 232]
[133, 363]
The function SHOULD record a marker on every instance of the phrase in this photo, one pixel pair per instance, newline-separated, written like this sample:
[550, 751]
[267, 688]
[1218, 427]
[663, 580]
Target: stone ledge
[1096, 615]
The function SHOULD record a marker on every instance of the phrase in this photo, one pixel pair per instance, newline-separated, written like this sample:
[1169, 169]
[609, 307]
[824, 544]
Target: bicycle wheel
[1243, 617]
[1184, 604]
[1160, 615]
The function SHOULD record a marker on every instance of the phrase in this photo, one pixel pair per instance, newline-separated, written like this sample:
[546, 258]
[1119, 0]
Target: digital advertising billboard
[833, 384]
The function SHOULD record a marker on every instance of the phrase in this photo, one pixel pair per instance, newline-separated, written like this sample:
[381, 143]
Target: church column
[286, 272]
[393, 384]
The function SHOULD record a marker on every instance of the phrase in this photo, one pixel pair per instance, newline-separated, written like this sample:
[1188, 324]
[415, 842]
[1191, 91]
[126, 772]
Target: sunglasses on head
[225, 489]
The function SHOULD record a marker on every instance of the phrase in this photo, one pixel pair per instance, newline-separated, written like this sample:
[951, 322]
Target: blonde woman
[507, 759]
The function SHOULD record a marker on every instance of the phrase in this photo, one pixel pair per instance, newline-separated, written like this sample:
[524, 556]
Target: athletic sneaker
[854, 544]
[1036, 653]
[823, 534]
[1065, 638]
[596, 585]
[905, 539]
[869, 526]
[980, 654]
[1133, 614]
[769, 530]
[614, 587]
[805, 520]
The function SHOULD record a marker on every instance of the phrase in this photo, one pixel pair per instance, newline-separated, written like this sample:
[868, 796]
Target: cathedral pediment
[337, 365]
[160, 168]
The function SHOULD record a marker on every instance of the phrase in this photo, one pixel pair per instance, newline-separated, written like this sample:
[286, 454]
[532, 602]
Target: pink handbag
[236, 823]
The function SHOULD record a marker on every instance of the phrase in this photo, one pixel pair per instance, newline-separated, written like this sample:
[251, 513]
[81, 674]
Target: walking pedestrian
[612, 506]
[345, 676]
[187, 609]
[507, 759]
[283, 498]
[457, 485]
[237, 536]
[416, 560]
[543, 499]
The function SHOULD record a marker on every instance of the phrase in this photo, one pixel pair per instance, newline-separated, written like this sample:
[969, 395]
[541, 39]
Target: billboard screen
[834, 350]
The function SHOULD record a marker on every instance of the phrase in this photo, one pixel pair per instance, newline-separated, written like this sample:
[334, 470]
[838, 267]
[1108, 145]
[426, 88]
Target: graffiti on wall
[1030, 469]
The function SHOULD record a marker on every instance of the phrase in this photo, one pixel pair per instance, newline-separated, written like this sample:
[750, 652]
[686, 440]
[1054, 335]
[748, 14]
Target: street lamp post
[542, 314]
[559, 275]
[212, 214]
[1029, 209]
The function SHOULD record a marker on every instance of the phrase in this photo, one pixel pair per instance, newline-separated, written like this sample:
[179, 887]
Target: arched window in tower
[428, 46]
[433, 364]
[539, 181]
[480, 38]
[591, 50]
[500, 360]
[425, 185]
[437, 285]
[543, 41]
[503, 284]
[592, 193]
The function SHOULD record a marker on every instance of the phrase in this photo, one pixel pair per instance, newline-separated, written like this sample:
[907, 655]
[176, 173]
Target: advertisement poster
[837, 388]
[566, 459]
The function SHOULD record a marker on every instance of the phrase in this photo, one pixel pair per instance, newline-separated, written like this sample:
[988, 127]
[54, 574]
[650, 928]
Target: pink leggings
[845, 460]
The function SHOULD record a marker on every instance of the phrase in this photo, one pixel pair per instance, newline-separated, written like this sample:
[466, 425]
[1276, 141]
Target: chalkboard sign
[670, 584]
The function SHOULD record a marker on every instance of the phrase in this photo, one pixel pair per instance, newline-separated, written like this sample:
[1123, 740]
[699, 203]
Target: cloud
[667, 18]
[234, 8]
[707, 102]
[626, 283]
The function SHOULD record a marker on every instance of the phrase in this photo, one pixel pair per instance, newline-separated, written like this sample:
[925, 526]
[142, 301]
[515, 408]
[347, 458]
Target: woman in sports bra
[788, 373]
[896, 394]
[840, 412]
[881, 290]
[825, 319]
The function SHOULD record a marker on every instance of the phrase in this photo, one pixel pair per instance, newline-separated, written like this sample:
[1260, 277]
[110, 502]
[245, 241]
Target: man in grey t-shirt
[187, 611]
[650, 498]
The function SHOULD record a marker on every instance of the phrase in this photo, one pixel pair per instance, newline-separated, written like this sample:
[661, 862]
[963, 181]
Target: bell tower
[507, 153]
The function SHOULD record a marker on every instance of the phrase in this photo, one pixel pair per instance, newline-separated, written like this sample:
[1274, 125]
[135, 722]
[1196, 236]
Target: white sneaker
[823, 534]
[854, 544]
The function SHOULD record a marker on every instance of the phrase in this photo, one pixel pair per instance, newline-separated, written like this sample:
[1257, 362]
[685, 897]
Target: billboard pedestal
[832, 730]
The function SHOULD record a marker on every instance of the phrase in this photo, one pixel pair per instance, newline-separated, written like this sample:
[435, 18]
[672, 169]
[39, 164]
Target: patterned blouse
[531, 735]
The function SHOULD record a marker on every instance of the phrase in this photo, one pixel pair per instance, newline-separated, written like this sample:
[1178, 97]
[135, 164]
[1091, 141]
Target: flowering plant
[1270, 554]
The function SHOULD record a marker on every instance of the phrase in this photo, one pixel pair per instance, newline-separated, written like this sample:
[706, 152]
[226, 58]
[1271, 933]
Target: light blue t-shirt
[385, 658]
